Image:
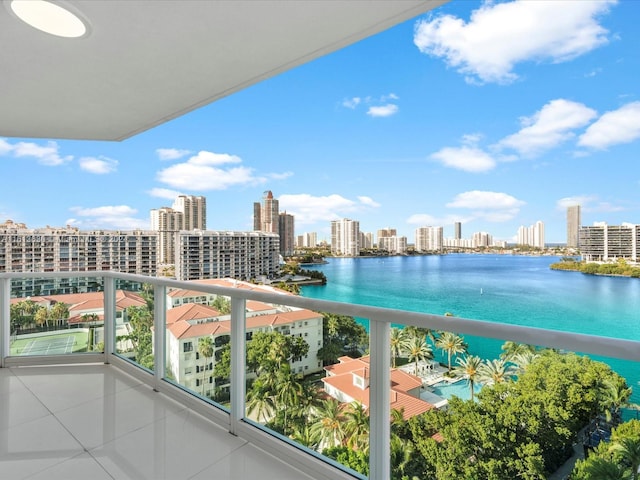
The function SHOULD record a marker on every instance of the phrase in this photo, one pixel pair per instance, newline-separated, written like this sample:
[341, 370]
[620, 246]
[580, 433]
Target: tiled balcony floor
[96, 422]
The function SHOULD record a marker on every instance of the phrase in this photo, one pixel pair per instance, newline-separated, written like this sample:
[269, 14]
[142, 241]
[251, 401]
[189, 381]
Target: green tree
[356, 426]
[328, 423]
[260, 400]
[627, 451]
[59, 313]
[222, 304]
[468, 367]
[205, 349]
[491, 372]
[397, 340]
[452, 344]
[417, 350]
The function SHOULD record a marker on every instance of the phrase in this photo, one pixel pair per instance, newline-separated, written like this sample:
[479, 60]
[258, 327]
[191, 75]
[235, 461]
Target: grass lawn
[65, 341]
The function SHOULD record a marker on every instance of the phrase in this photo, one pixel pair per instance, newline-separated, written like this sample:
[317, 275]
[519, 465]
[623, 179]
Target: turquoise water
[518, 290]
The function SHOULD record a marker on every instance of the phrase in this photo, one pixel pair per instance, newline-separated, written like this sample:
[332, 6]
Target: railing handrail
[579, 342]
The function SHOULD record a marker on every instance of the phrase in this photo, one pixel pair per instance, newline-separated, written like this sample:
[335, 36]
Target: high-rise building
[532, 236]
[345, 237]
[266, 214]
[603, 242]
[457, 230]
[213, 254]
[194, 209]
[167, 222]
[387, 232]
[286, 228]
[482, 239]
[429, 239]
[574, 221]
[394, 245]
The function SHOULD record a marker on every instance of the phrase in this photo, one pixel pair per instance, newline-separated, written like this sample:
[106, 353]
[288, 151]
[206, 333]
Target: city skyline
[406, 129]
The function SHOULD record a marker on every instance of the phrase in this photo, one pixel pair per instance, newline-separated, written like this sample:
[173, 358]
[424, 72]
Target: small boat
[481, 293]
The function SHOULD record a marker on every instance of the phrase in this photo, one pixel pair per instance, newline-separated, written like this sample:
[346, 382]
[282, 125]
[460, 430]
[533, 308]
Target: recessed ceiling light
[49, 17]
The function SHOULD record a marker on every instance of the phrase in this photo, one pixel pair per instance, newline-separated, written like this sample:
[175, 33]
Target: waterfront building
[345, 237]
[574, 222]
[266, 214]
[286, 228]
[70, 250]
[366, 240]
[217, 254]
[457, 231]
[429, 239]
[167, 222]
[482, 239]
[602, 242]
[307, 240]
[532, 236]
[394, 245]
[194, 211]
[458, 243]
[386, 232]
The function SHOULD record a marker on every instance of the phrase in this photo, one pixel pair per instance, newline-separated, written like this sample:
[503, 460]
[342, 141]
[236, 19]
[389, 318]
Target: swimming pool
[460, 389]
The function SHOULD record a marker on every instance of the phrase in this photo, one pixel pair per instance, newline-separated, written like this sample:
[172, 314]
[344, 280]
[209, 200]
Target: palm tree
[613, 395]
[305, 437]
[397, 341]
[452, 344]
[491, 372]
[468, 368]
[42, 317]
[288, 392]
[356, 427]
[417, 350]
[59, 312]
[628, 451]
[601, 469]
[522, 360]
[328, 423]
[205, 349]
[511, 349]
[260, 400]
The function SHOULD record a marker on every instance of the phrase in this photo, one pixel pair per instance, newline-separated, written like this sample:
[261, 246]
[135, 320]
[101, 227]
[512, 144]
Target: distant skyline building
[286, 228]
[532, 236]
[457, 230]
[266, 215]
[307, 239]
[603, 242]
[167, 222]
[366, 240]
[386, 232]
[394, 245]
[574, 222]
[194, 211]
[482, 239]
[345, 237]
[429, 239]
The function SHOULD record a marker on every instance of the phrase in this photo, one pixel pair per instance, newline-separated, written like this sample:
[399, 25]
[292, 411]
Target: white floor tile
[81, 467]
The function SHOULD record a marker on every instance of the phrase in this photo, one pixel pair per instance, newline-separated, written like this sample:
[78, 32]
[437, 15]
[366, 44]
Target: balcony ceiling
[144, 63]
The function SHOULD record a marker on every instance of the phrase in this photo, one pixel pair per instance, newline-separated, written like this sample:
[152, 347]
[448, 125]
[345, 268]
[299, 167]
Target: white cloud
[280, 176]
[588, 203]
[206, 171]
[171, 153]
[99, 166]
[612, 128]
[117, 217]
[548, 127]
[351, 102]
[5, 147]
[500, 35]
[489, 206]
[469, 159]
[309, 209]
[424, 219]
[383, 110]
[164, 193]
[46, 154]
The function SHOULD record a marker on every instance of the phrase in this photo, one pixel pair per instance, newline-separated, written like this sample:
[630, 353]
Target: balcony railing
[234, 418]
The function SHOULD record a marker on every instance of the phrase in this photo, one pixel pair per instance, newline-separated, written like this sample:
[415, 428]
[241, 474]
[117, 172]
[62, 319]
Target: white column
[159, 333]
[5, 318]
[238, 367]
[379, 398]
[109, 296]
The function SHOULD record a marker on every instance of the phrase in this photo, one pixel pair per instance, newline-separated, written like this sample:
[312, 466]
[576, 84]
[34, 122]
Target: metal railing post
[238, 367]
[109, 296]
[5, 319]
[379, 398]
[160, 331]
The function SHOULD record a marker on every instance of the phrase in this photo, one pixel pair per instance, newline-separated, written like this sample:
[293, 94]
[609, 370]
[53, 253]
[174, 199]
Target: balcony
[108, 413]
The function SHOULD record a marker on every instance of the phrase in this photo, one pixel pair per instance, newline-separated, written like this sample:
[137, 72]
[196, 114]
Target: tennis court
[57, 344]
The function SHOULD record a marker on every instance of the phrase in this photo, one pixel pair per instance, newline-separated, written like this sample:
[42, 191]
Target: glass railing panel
[133, 325]
[198, 342]
[56, 316]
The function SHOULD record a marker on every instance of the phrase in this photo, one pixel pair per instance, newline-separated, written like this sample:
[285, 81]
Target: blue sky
[494, 114]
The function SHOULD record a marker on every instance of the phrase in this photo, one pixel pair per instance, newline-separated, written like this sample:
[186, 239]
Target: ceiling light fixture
[49, 17]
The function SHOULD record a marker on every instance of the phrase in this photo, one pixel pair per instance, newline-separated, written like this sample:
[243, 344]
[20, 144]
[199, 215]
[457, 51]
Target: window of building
[188, 371]
[187, 347]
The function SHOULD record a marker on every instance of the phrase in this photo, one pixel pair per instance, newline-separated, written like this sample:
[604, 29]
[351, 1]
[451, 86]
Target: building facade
[266, 215]
[307, 240]
[394, 245]
[286, 230]
[602, 242]
[345, 237]
[217, 254]
[574, 222]
[167, 222]
[70, 250]
[194, 210]
[457, 230]
[532, 236]
[429, 239]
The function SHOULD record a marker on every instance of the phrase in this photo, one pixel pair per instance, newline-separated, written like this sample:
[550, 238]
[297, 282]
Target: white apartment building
[167, 222]
[429, 239]
[67, 250]
[194, 210]
[603, 242]
[345, 237]
[532, 236]
[217, 254]
[190, 322]
[307, 240]
[366, 240]
[394, 245]
[482, 239]
[266, 214]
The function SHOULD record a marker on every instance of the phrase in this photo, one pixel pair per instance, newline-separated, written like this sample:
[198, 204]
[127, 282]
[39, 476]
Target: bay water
[510, 289]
